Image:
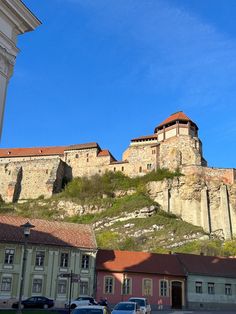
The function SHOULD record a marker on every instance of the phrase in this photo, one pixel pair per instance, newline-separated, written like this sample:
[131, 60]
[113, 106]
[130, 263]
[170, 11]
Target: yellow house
[54, 251]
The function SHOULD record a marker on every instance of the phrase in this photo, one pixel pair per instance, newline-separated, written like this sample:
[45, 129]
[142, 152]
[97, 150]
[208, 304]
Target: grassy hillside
[114, 204]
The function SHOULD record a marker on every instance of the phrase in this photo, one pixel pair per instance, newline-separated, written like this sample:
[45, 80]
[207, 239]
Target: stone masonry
[205, 197]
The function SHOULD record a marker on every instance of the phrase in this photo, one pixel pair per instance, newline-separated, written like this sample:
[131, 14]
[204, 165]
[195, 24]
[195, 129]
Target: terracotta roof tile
[139, 262]
[106, 153]
[43, 151]
[208, 265]
[178, 116]
[47, 232]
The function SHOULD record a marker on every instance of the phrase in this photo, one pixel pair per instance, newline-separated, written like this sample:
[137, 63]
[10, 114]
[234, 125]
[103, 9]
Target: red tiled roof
[47, 232]
[178, 116]
[43, 151]
[208, 265]
[146, 137]
[138, 262]
[106, 153]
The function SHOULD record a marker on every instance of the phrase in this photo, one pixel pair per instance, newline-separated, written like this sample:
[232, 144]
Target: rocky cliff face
[206, 203]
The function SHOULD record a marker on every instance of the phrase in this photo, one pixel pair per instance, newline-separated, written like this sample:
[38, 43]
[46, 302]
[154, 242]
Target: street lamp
[26, 228]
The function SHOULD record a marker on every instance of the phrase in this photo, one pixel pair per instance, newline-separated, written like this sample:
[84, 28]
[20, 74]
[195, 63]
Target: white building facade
[15, 19]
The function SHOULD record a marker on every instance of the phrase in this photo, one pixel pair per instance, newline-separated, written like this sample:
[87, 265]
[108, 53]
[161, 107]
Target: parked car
[91, 309]
[145, 307]
[81, 301]
[126, 308]
[39, 302]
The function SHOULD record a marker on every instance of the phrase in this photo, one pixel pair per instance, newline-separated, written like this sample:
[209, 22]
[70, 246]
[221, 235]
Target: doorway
[176, 294]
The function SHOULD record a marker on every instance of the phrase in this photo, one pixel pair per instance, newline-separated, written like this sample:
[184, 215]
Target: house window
[6, 284]
[228, 289]
[85, 261]
[76, 155]
[122, 168]
[87, 160]
[37, 285]
[153, 151]
[149, 166]
[140, 169]
[9, 256]
[39, 260]
[198, 286]
[126, 286]
[163, 288]
[64, 260]
[147, 287]
[211, 288]
[61, 287]
[108, 285]
[84, 287]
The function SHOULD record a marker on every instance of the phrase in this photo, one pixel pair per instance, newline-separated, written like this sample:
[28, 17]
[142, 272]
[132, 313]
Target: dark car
[35, 302]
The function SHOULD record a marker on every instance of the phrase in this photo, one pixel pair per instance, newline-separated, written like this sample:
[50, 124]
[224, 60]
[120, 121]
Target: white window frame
[9, 256]
[6, 284]
[163, 288]
[109, 284]
[198, 287]
[228, 289]
[64, 260]
[39, 258]
[211, 288]
[126, 288]
[85, 261]
[147, 288]
[37, 285]
[84, 287]
[62, 286]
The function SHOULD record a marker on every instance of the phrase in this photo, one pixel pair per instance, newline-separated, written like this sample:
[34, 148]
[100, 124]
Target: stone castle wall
[31, 179]
[203, 196]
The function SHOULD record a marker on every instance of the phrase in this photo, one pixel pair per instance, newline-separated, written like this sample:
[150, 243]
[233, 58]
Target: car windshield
[87, 311]
[124, 307]
[139, 301]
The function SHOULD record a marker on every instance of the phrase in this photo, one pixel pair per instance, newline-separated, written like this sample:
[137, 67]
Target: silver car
[126, 308]
[143, 303]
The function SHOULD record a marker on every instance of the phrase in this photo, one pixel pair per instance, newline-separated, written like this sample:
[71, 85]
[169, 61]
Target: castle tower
[179, 142]
[175, 125]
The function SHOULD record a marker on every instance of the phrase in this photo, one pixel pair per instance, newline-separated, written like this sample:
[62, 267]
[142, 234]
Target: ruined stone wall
[179, 151]
[10, 174]
[209, 204]
[225, 175]
[31, 179]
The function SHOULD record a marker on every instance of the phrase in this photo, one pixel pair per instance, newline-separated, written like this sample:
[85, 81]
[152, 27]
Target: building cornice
[23, 19]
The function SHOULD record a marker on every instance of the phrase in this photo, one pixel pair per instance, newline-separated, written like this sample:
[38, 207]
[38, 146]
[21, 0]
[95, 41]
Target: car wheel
[73, 306]
[45, 306]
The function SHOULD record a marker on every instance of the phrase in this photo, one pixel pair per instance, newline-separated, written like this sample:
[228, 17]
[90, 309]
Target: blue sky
[111, 70]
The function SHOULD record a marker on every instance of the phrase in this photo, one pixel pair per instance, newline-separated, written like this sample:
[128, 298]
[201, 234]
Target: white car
[145, 307]
[81, 301]
[91, 309]
[126, 308]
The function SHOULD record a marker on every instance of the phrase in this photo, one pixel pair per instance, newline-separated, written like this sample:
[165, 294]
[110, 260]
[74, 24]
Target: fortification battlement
[45, 170]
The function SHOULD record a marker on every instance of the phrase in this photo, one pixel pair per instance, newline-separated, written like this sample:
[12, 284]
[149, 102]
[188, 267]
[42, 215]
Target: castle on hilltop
[27, 173]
